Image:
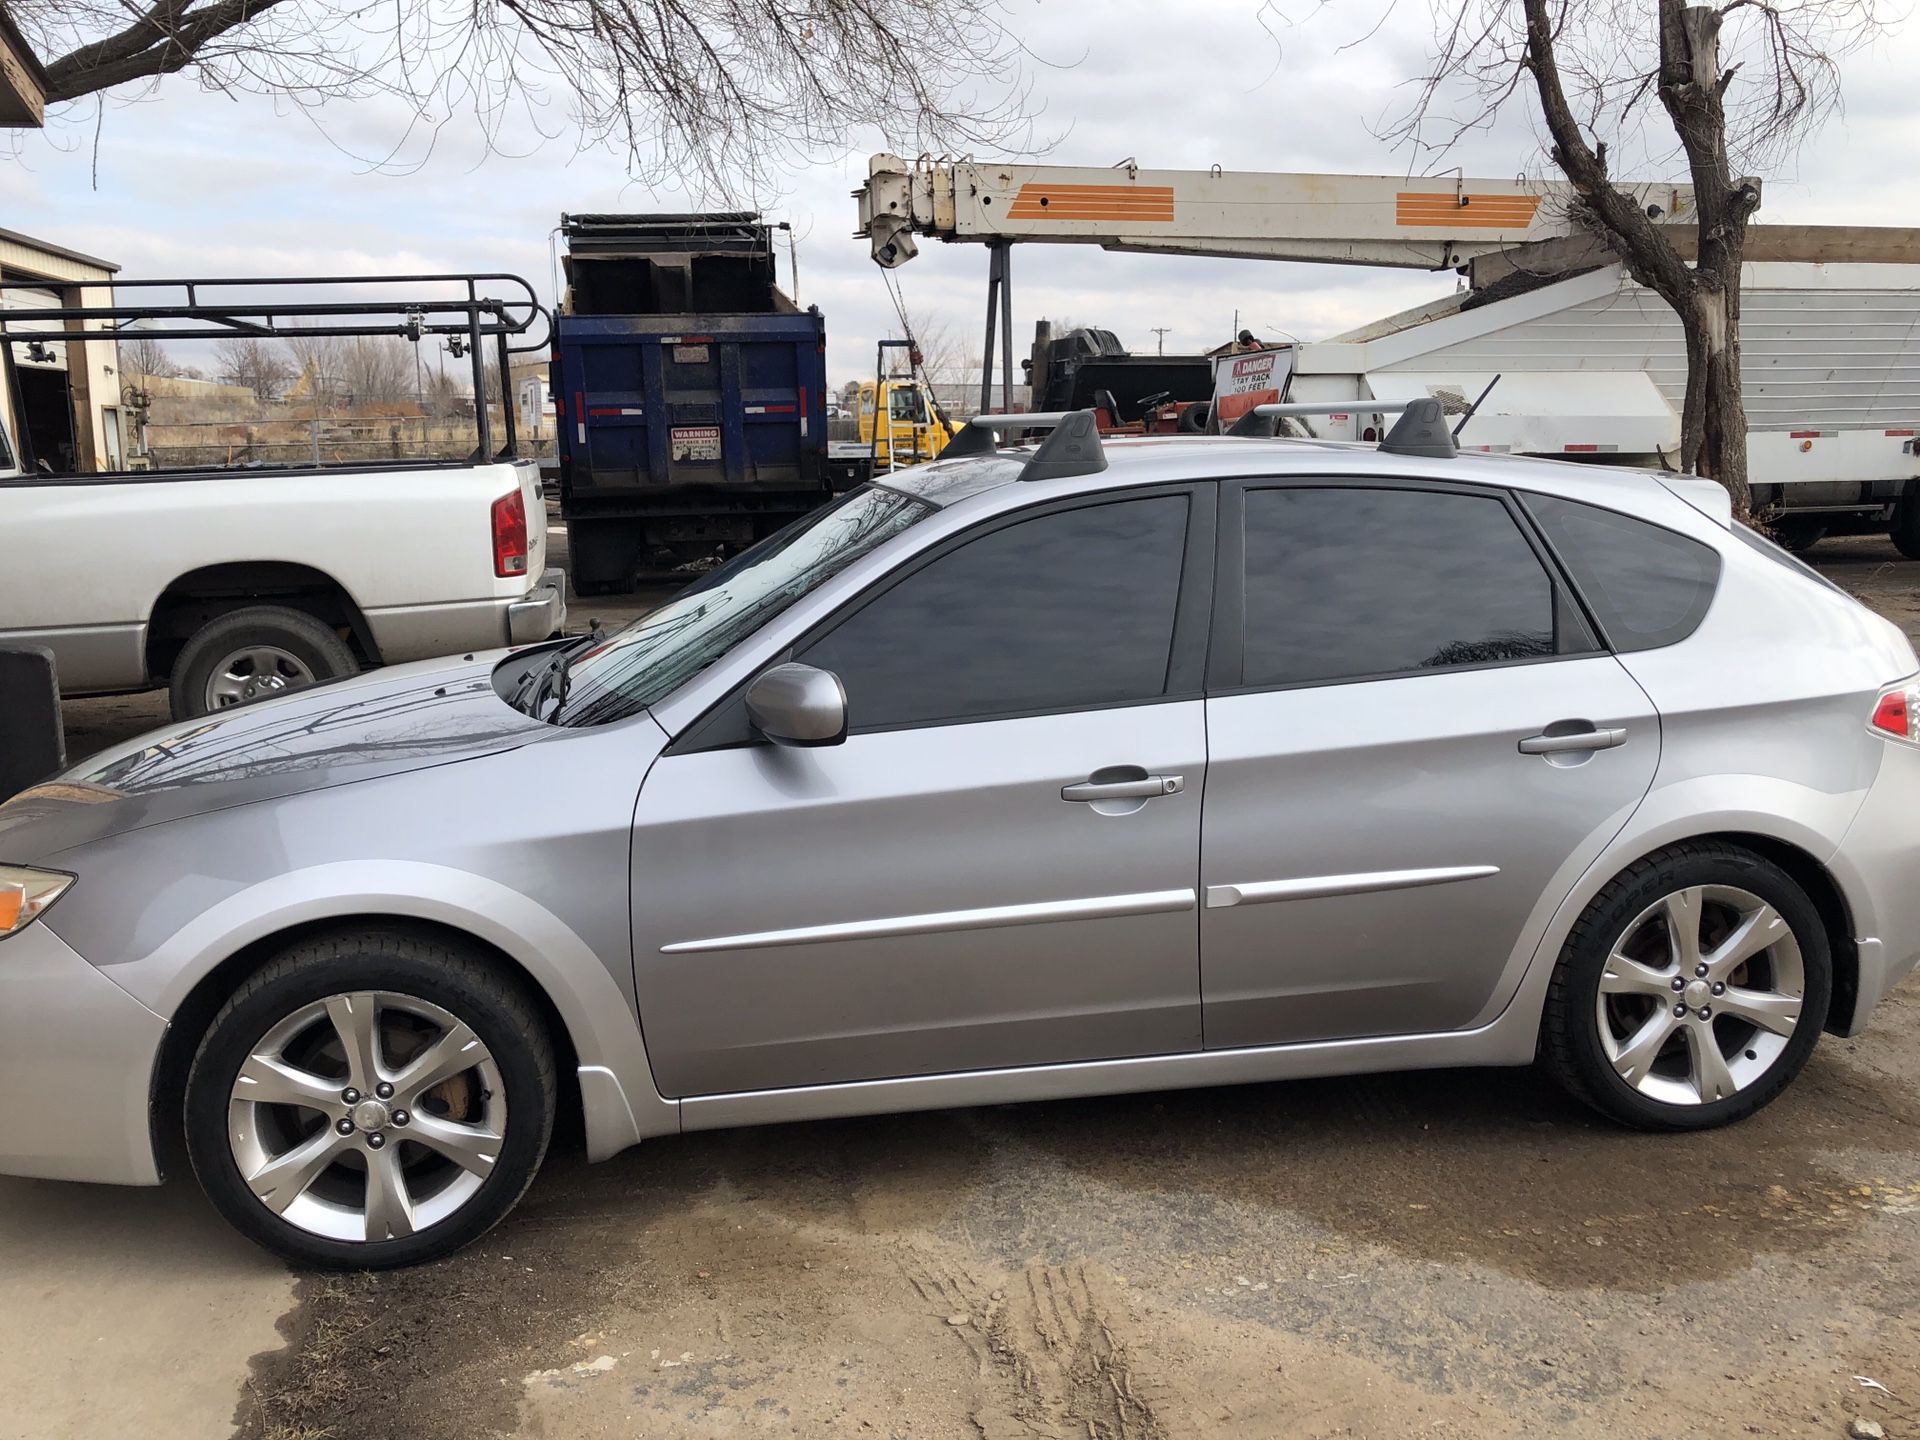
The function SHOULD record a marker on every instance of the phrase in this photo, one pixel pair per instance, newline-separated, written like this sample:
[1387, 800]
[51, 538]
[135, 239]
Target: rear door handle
[1145, 787]
[1591, 738]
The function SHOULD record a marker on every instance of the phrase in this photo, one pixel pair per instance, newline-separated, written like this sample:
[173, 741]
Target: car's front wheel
[371, 1099]
[1691, 991]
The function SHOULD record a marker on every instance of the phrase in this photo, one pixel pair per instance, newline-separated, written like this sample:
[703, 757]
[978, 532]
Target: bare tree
[250, 361]
[317, 362]
[947, 356]
[724, 92]
[1594, 66]
[143, 355]
[446, 395]
[376, 370]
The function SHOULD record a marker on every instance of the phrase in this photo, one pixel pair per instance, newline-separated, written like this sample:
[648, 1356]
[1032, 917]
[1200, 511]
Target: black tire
[1570, 1041]
[308, 640]
[1799, 533]
[1905, 527]
[421, 968]
[1193, 420]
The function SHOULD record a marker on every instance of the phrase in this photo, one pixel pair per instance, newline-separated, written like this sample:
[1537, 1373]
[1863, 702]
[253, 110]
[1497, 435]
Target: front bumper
[76, 1067]
[541, 613]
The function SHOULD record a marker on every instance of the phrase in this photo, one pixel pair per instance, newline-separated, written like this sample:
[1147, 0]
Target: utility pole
[1160, 338]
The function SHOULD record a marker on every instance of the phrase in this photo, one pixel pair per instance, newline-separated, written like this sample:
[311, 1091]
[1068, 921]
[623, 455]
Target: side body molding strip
[1097, 907]
[1307, 887]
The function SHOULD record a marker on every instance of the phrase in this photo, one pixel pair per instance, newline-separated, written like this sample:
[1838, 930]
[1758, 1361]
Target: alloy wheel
[368, 1116]
[253, 673]
[1701, 995]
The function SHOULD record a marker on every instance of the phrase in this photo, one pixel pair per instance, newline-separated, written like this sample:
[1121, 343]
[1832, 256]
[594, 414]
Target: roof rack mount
[1421, 429]
[1072, 446]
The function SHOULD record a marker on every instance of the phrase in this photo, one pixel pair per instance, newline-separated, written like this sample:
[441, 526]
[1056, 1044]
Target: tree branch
[169, 37]
[1650, 256]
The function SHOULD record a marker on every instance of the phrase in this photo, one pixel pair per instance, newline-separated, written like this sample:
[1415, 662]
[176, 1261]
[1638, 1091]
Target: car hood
[383, 723]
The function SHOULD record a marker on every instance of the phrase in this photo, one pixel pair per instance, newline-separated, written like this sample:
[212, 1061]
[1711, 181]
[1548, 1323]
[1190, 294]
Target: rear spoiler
[1709, 497]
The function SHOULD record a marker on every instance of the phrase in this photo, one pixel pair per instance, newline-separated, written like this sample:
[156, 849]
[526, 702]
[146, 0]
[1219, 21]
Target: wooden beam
[1819, 244]
[23, 84]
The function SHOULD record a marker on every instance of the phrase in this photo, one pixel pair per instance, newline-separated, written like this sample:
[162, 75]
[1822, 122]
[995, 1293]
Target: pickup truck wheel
[369, 1099]
[1905, 529]
[251, 654]
[1799, 533]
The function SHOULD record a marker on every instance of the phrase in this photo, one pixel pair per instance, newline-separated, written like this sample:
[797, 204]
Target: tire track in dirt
[1050, 1364]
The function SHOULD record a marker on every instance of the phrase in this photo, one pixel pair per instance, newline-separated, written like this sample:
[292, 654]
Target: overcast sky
[193, 184]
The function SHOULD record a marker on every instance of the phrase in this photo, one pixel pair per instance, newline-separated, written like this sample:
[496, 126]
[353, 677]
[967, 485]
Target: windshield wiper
[550, 679]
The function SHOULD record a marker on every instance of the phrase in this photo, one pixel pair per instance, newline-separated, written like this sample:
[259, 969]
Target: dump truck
[690, 394]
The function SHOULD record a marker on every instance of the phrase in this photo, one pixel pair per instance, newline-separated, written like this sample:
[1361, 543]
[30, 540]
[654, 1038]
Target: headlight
[25, 893]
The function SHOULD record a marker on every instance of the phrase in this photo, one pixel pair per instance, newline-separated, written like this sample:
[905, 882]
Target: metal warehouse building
[67, 398]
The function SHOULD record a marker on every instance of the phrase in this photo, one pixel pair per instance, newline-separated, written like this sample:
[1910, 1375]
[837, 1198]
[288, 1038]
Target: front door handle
[1142, 787]
[1591, 738]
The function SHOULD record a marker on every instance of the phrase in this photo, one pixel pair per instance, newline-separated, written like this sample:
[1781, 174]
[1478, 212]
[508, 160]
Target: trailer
[1591, 367]
[690, 394]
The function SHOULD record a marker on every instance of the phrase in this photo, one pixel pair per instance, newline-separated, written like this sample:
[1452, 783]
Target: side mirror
[798, 705]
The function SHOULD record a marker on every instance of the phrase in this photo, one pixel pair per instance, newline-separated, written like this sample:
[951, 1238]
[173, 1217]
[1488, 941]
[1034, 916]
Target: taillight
[1897, 713]
[510, 535]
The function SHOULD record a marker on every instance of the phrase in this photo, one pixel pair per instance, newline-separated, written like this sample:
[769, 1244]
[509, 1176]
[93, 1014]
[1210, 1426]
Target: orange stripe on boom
[1481, 212]
[1092, 202]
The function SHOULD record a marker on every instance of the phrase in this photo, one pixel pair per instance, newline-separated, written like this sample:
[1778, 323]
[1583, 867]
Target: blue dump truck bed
[683, 438]
[654, 401]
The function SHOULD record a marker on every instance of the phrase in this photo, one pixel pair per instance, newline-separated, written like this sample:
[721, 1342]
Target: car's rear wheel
[370, 1100]
[1691, 991]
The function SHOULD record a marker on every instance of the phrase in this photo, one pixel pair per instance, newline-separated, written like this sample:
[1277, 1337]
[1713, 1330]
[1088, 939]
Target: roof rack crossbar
[1072, 446]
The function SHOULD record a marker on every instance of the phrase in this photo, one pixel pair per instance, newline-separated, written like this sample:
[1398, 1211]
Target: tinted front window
[1063, 611]
[649, 658]
[1343, 583]
[1648, 586]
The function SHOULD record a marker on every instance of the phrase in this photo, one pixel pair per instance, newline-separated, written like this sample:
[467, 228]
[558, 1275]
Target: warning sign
[695, 442]
[1249, 378]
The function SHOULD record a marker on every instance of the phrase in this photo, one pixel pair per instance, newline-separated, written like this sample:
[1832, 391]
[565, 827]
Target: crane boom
[1424, 223]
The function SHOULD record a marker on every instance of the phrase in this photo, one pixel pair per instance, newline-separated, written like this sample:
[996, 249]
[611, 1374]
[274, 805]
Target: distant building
[68, 409]
[533, 397]
[961, 398]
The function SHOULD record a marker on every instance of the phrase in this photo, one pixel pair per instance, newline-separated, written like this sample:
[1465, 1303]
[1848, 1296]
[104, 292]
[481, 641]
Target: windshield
[656, 653]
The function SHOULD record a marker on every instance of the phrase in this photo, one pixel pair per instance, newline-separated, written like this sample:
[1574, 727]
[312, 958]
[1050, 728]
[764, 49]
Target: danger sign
[1249, 378]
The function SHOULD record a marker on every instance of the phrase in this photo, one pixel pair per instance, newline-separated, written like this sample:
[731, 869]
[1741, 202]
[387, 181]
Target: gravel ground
[1463, 1254]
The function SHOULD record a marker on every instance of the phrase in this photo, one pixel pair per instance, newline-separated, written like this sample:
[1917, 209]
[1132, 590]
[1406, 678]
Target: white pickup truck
[226, 585]
[227, 582]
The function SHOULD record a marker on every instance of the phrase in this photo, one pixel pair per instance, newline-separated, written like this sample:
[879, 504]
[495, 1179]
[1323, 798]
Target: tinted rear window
[1648, 586]
[1344, 583]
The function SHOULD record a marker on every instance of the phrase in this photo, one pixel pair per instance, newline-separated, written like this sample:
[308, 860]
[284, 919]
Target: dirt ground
[1455, 1254]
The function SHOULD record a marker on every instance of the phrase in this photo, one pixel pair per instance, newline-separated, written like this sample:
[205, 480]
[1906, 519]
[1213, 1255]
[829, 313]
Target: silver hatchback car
[1033, 772]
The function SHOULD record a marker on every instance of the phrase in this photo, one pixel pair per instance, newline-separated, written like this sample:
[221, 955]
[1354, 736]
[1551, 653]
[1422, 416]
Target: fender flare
[622, 1104]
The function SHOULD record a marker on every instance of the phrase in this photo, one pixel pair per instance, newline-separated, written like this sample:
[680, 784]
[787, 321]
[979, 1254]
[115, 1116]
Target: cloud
[196, 183]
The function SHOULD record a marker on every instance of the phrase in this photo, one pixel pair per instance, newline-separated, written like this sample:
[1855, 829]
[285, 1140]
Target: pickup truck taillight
[510, 535]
